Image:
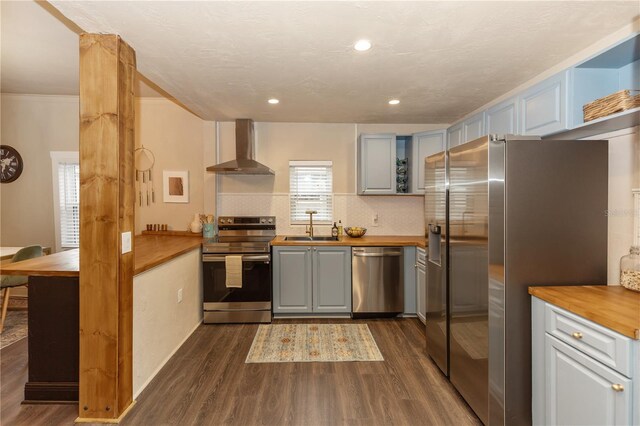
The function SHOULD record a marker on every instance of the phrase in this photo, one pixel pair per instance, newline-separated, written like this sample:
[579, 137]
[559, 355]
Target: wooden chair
[9, 281]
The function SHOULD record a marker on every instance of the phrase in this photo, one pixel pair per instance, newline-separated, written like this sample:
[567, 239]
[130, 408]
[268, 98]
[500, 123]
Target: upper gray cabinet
[377, 164]
[543, 107]
[455, 135]
[474, 127]
[424, 145]
[390, 164]
[502, 119]
[470, 129]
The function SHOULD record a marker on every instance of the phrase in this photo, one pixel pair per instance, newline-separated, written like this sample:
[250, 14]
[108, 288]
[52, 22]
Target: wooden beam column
[107, 76]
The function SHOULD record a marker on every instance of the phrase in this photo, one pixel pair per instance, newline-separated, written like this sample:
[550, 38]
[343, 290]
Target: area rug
[313, 343]
[15, 328]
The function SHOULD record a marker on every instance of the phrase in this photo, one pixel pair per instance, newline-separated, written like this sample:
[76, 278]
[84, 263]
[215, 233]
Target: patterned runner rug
[15, 328]
[313, 343]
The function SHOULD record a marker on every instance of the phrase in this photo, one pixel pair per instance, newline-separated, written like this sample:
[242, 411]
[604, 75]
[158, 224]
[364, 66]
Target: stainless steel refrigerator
[520, 213]
[436, 228]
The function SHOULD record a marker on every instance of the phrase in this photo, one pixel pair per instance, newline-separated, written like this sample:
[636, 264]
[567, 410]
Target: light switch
[126, 242]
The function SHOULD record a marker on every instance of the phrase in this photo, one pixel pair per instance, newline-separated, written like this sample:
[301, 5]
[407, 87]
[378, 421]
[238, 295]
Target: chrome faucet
[310, 225]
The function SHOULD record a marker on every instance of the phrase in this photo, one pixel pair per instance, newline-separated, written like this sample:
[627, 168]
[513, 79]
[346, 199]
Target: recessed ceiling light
[394, 102]
[362, 45]
[273, 101]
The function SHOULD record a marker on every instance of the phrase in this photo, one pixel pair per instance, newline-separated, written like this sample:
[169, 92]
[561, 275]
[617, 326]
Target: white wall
[36, 125]
[278, 143]
[160, 323]
[624, 175]
[177, 139]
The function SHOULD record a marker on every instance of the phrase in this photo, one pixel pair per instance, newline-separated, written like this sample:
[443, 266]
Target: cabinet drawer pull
[576, 335]
[617, 387]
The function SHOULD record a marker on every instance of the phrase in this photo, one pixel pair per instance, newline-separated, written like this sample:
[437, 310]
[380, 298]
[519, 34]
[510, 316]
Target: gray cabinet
[311, 280]
[377, 164]
[410, 269]
[580, 391]
[331, 279]
[543, 107]
[455, 135]
[582, 372]
[502, 119]
[424, 145]
[474, 127]
[292, 275]
[421, 284]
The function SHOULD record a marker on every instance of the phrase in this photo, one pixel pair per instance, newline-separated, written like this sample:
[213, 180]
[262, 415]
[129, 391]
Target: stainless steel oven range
[243, 294]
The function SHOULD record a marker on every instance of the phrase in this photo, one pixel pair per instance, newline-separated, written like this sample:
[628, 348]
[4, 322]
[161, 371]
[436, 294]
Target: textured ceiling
[223, 60]
[39, 53]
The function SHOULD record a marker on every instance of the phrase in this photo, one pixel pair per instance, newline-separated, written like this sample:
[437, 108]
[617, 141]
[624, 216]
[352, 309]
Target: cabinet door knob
[308, 249]
[617, 387]
[576, 335]
[315, 249]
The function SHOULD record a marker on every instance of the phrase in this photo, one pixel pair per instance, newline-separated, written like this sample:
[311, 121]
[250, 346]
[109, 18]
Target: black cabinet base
[54, 323]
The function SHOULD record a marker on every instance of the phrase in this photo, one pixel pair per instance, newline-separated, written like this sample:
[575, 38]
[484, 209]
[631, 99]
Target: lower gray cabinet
[582, 373]
[580, 390]
[292, 277]
[311, 279]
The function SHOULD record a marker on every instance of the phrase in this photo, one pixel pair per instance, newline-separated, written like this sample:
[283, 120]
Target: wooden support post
[107, 75]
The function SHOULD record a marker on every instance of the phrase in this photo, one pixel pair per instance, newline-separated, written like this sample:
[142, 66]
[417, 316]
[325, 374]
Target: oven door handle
[259, 258]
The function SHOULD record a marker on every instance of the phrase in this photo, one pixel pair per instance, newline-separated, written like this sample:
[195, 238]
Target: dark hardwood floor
[207, 383]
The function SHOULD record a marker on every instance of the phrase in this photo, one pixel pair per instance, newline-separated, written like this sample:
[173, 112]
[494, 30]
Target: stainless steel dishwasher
[377, 281]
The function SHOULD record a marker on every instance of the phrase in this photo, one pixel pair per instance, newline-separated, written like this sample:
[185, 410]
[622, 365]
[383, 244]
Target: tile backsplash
[397, 215]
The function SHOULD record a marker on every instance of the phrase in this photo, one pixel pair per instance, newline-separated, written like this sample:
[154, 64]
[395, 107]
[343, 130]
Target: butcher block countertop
[367, 240]
[609, 306]
[150, 251]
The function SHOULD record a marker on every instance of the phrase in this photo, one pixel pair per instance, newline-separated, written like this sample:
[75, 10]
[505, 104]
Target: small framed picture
[175, 186]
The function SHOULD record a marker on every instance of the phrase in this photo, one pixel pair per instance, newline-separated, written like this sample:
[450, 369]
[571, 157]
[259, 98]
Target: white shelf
[621, 120]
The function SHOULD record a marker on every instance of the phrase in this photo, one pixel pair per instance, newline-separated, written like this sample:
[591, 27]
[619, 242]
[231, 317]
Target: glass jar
[630, 269]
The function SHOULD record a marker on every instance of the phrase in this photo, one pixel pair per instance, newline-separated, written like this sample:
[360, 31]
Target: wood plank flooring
[207, 383]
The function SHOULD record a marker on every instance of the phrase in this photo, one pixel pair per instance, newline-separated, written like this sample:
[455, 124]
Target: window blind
[69, 193]
[311, 188]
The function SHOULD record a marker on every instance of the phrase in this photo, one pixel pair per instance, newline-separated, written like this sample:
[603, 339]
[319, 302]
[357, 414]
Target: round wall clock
[10, 164]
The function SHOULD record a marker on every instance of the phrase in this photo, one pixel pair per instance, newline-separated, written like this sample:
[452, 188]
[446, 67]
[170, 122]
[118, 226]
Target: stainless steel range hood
[244, 164]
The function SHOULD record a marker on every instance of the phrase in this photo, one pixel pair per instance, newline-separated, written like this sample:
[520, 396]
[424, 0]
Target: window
[65, 168]
[311, 188]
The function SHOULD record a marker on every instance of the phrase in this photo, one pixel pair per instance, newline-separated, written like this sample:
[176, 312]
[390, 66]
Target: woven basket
[616, 102]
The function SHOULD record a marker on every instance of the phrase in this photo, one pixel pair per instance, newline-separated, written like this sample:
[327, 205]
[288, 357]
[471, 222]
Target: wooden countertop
[613, 307]
[367, 240]
[150, 251]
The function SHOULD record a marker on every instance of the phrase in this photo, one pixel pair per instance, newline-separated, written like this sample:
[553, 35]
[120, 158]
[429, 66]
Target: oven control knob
[221, 220]
[270, 220]
[229, 220]
[263, 220]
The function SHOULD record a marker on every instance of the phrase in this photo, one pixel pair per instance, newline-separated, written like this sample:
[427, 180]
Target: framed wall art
[175, 186]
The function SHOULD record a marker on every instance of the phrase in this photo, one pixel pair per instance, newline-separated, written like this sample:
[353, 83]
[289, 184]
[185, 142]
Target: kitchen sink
[311, 238]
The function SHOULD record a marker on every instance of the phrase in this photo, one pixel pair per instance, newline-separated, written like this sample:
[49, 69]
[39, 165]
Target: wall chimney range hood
[245, 163]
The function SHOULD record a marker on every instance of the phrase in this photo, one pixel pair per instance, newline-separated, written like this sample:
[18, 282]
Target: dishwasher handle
[380, 254]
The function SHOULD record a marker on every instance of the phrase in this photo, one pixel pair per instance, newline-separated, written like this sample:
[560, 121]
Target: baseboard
[311, 316]
[36, 392]
[164, 361]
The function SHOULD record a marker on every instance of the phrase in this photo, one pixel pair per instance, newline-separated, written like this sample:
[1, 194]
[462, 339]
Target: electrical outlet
[179, 295]
[126, 242]
[375, 220]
